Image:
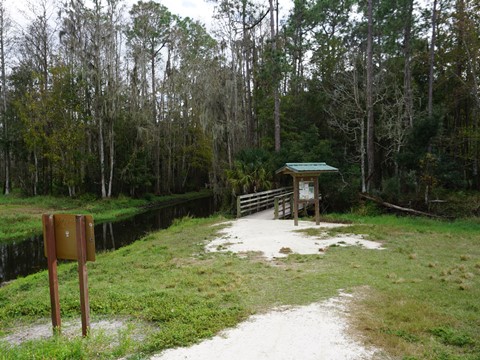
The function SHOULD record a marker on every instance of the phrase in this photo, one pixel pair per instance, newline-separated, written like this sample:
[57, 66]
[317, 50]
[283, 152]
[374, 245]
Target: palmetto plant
[249, 173]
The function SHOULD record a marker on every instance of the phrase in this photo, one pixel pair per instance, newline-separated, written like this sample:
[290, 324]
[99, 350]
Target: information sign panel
[69, 237]
[66, 240]
[306, 190]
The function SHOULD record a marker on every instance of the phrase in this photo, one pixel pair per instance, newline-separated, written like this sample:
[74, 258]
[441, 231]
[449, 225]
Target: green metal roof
[300, 168]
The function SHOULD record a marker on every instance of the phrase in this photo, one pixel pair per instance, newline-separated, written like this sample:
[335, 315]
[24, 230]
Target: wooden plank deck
[268, 214]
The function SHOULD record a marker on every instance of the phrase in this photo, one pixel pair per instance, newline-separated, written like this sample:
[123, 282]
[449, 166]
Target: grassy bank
[21, 217]
[417, 299]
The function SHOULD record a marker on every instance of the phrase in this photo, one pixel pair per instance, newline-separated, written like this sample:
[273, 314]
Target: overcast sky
[196, 9]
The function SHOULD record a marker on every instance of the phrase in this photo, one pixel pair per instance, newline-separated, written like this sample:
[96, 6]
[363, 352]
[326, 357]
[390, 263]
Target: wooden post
[277, 199]
[239, 207]
[52, 271]
[317, 201]
[295, 200]
[82, 272]
[290, 201]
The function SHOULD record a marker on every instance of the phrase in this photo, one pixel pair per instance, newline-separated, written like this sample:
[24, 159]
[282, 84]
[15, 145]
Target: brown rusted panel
[66, 240]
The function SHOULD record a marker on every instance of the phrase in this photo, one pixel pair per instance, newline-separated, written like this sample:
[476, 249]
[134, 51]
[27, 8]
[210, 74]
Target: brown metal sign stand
[82, 272]
[49, 234]
[65, 237]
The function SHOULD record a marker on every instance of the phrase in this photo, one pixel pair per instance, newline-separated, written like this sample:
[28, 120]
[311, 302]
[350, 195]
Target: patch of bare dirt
[71, 329]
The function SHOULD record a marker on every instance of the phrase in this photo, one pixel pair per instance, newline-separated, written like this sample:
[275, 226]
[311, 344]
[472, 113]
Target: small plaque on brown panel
[66, 240]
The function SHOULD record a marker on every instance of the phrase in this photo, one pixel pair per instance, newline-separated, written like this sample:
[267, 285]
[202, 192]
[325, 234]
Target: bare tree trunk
[255, 86]
[251, 123]
[277, 85]
[408, 70]
[154, 87]
[363, 157]
[234, 123]
[473, 66]
[113, 49]
[98, 96]
[276, 95]
[247, 79]
[476, 180]
[358, 101]
[35, 180]
[3, 28]
[101, 153]
[112, 159]
[370, 118]
[155, 123]
[432, 58]
[231, 111]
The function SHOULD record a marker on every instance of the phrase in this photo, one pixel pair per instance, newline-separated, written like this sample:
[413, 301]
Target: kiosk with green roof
[305, 184]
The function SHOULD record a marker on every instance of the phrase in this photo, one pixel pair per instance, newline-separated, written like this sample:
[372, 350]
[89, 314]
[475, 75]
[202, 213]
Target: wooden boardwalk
[268, 214]
[266, 204]
[257, 202]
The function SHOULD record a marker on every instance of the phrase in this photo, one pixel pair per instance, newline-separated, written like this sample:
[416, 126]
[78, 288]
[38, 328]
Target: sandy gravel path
[317, 331]
[314, 332]
[270, 236]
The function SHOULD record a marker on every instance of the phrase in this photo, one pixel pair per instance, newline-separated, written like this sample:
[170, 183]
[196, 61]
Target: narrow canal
[26, 257]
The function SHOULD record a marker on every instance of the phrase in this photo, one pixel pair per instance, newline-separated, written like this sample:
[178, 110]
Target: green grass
[21, 217]
[417, 299]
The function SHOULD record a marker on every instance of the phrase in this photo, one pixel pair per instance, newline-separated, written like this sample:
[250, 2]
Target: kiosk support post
[295, 200]
[317, 201]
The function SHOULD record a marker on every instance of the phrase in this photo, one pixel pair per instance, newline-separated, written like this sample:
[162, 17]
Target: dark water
[26, 257]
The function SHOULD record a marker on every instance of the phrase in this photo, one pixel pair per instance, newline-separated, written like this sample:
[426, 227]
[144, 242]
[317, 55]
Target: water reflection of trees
[107, 238]
[26, 257]
[21, 258]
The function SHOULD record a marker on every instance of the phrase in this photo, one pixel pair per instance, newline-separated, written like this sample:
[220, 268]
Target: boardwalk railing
[250, 203]
[283, 205]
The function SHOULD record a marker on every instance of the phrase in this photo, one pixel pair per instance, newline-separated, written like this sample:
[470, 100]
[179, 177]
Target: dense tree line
[106, 99]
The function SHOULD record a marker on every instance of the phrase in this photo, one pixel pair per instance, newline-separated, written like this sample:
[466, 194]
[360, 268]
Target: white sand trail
[313, 332]
[270, 236]
[317, 331]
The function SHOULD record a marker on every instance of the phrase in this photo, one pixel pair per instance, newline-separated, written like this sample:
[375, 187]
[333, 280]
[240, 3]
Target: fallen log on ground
[399, 208]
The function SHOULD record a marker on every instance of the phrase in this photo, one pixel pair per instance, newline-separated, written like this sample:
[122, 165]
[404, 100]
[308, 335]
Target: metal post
[82, 272]
[52, 271]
